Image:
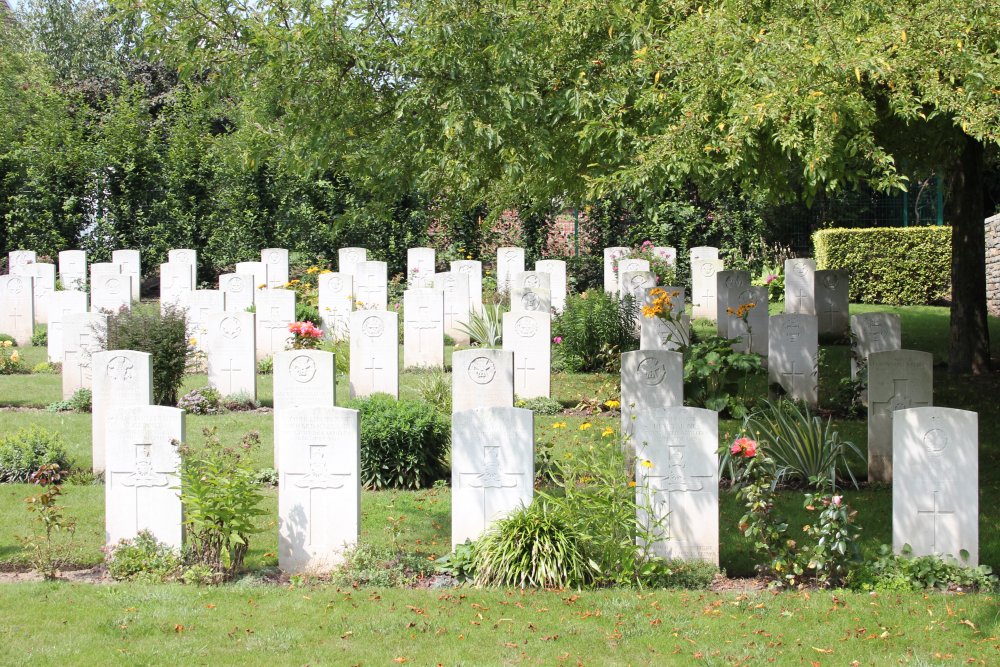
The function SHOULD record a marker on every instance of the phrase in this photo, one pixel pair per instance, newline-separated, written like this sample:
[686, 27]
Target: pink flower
[744, 447]
[557, 340]
[836, 500]
[770, 278]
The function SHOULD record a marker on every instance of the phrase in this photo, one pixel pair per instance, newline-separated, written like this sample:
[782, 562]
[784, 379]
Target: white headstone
[423, 328]
[482, 378]
[750, 335]
[457, 303]
[703, 286]
[188, 257]
[80, 341]
[701, 253]
[628, 265]
[509, 262]
[655, 333]
[230, 345]
[61, 306]
[141, 483]
[897, 380]
[200, 305]
[529, 336]
[371, 289]
[793, 343]
[800, 286]
[636, 284]
[19, 261]
[935, 494]
[319, 491]
[473, 269]
[122, 379]
[276, 261]
[130, 264]
[419, 267]
[556, 268]
[650, 379]
[275, 311]
[611, 257]
[348, 258]
[175, 280]
[677, 481]
[833, 302]
[73, 269]
[256, 269]
[730, 287]
[667, 253]
[531, 280]
[336, 302]
[530, 300]
[239, 289]
[17, 307]
[302, 379]
[873, 332]
[110, 293]
[492, 467]
[374, 353]
[44, 287]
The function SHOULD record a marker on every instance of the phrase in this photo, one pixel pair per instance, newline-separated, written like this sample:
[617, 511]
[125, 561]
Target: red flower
[744, 447]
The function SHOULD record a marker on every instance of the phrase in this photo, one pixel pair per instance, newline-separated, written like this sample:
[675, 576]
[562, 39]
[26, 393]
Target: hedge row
[898, 266]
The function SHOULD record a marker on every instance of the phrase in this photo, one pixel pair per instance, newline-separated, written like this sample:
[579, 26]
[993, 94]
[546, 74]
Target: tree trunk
[969, 344]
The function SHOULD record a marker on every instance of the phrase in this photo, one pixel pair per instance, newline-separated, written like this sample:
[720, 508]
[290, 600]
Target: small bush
[905, 572]
[11, 362]
[595, 329]
[403, 443]
[540, 405]
[380, 567]
[716, 376]
[201, 401]
[143, 559]
[40, 338]
[265, 366]
[239, 402]
[266, 477]
[43, 368]
[80, 401]
[23, 453]
[435, 389]
[484, 328]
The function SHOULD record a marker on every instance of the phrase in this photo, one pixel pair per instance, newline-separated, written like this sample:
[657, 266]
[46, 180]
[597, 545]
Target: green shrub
[164, 336]
[404, 444]
[905, 572]
[307, 313]
[435, 389]
[201, 401]
[899, 266]
[683, 574]
[7, 338]
[540, 405]
[80, 401]
[265, 366]
[585, 272]
[381, 567]
[26, 451]
[595, 329]
[485, 328]
[239, 402]
[40, 338]
[716, 376]
[144, 559]
[43, 368]
[11, 362]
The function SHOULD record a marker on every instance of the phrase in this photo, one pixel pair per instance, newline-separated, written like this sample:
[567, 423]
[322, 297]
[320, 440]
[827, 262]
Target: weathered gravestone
[419, 267]
[750, 332]
[336, 302]
[276, 261]
[611, 257]
[655, 333]
[175, 281]
[833, 302]
[109, 292]
[73, 269]
[873, 332]
[275, 312]
[492, 468]
[61, 306]
[319, 493]
[793, 343]
[19, 262]
[730, 287]
[374, 353]
[474, 270]
[302, 379]
[371, 288]
[349, 258]
[141, 482]
[528, 336]
[897, 379]
[482, 378]
[256, 269]
[629, 265]
[704, 267]
[44, 287]
[80, 341]
[531, 279]
[556, 268]
[530, 300]
[457, 304]
[509, 262]
[230, 345]
[129, 264]
[423, 328]
[935, 493]
[122, 380]
[17, 307]
[187, 257]
[239, 290]
[677, 481]
[800, 286]
[650, 379]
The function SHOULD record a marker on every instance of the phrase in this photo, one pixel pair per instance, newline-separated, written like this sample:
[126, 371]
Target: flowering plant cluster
[10, 360]
[306, 335]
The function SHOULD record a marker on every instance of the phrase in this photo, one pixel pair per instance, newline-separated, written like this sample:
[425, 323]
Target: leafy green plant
[11, 362]
[43, 368]
[404, 443]
[29, 450]
[265, 366]
[40, 338]
[380, 566]
[341, 349]
[905, 572]
[239, 402]
[460, 563]
[80, 401]
[484, 328]
[540, 405]
[221, 500]
[201, 401]
[716, 376]
[434, 388]
[45, 552]
[266, 477]
[144, 559]
[594, 329]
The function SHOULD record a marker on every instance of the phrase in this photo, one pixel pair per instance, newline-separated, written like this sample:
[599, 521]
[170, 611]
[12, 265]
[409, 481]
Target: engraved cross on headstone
[524, 368]
[276, 325]
[491, 477]
[424, 323]
[680, 477]
[935, 512]
[373, 366]
[791, 374]
[143, 479]
[321, 481]
[899, 400]
[229, 369]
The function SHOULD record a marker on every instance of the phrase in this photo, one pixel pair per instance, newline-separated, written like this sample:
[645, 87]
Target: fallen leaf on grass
[968, 623]
[822, 650]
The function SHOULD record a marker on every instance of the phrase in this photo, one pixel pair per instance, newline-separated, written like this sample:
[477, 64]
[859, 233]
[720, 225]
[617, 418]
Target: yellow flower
[326, 271]
[468, 256]
[312, 269]
[262, 286]
[612, 404]
[7, 343]
[585, 425]
[192, 342]
[559, 425]
[631, 484]
[646, 463]
[15, 357]
[607, 431]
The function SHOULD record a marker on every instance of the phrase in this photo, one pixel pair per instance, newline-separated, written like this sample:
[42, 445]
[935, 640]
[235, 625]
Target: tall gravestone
[276, 261]
[530, 300]
[873, 332]
[175, 281]
[239, 291]
[730, 288]
[800, 286]
[189, 258]
[44, 287]
[302, 379]
[474, 270]
[17, 307]
[677, 481]
[336, 303]
[556, 268]
[650, 379]
[419, 267]
[705, 264]
[349, 258]
[61, 306]
[129, 264]
[935, 493]
[482, 378]
[230, 348]
[509, 261]
[793, 342]
[611, 257]
[200, 305]
[457, 304]
[833, 302]
[655, 333]
[374, 353]
[275, 312]
[897, 380]
[73, 269]
[371, 288]
[142, 480]
[122, 380]
[256, 269]
[528, 335]
[750, 334]
[110, 292]
[492, 467]
[423, 328]
[319, 492]
[19, 262]
[80, 342]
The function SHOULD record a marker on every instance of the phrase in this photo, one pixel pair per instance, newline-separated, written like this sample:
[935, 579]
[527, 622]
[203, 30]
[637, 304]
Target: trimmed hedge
[897, 266]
